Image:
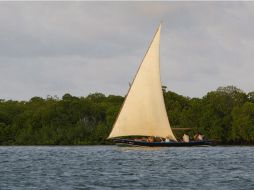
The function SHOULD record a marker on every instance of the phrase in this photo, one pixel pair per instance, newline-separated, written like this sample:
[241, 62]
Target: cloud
[83, 47]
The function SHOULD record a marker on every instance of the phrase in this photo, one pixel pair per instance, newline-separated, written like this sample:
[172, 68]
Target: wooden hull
[128, 142]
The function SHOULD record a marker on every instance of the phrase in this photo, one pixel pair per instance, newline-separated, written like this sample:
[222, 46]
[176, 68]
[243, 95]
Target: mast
[143, 112]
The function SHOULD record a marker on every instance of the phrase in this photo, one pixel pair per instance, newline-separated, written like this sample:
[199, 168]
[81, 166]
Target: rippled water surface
[111, 167]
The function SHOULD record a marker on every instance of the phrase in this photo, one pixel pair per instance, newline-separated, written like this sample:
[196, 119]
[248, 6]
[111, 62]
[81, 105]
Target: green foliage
[226, 114]
[175, 105]
[53, 121]
[243, 123]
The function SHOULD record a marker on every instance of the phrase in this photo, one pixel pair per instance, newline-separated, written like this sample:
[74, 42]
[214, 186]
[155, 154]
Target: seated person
[200, 137]
[186, 138]
[196, 136]
[150, 139]
[167, 139]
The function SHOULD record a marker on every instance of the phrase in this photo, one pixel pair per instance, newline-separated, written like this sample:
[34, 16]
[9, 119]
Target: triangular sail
[143, 112]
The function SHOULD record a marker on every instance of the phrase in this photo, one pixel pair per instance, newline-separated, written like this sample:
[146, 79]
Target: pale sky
[53, 48]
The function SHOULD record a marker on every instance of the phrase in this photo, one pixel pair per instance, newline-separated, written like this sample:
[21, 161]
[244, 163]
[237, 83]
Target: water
[111, 167]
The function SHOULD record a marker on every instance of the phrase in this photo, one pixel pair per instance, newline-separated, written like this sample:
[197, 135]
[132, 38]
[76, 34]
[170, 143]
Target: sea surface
[112, 167]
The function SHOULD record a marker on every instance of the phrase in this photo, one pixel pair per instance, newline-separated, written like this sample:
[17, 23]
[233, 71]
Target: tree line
[225, 115]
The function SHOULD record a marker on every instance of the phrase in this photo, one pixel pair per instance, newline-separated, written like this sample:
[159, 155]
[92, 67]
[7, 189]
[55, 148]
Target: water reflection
[139, 148]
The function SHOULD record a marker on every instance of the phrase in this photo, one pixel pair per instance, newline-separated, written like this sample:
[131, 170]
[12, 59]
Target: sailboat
[143, 113]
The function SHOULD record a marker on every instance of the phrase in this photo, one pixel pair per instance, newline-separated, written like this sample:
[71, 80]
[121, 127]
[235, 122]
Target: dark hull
[127, 142]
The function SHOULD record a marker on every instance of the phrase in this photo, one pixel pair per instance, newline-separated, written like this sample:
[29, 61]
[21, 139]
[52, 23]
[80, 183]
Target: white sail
[143, 112]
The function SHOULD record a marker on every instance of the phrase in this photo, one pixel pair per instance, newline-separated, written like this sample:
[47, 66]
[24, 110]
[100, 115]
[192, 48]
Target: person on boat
[186, 138]
[150, 139]
[159, 139]
[198, 137]
[167, 139]
[156, 139]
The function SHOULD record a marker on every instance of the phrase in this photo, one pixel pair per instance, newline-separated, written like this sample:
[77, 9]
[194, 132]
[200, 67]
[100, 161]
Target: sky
[53, 48]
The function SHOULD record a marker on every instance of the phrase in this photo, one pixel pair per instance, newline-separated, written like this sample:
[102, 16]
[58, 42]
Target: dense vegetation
[226, 115]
